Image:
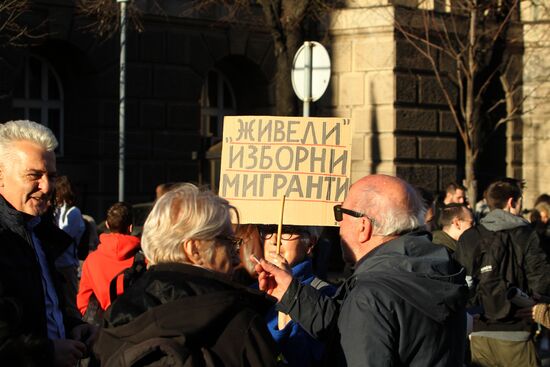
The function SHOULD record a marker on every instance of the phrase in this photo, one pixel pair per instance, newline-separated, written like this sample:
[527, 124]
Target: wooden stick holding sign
[280, 226]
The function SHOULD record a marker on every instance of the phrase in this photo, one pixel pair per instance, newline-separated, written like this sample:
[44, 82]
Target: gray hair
[25, 130]
[391, 218]
[185, 212]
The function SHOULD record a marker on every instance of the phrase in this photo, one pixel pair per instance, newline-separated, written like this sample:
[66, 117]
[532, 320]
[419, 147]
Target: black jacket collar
[12, 218]
[53, 239]
[407, 252]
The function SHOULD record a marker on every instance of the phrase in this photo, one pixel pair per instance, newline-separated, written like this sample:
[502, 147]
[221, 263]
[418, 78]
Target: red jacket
[115, 253]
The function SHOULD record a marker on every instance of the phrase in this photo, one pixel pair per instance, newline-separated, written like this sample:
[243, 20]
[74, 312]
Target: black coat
[23, 325]
[185, 302]
[404, 305]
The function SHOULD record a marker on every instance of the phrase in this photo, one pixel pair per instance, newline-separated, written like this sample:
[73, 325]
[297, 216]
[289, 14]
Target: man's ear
[190, 248]
[1, 177]
[510, 203]
[107, 225]
[456, 222]
[365, 229]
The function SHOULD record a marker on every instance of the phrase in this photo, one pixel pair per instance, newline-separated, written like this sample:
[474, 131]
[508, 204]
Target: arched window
[217, 100]
[38, 96]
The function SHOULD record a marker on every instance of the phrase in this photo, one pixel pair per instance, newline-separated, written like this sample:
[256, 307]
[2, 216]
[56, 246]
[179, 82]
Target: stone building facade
[182, 77]
[402, 124]
[536, 89]
[185, 73]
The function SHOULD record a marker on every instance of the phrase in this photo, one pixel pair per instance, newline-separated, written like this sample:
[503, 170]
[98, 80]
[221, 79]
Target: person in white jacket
[69, 219]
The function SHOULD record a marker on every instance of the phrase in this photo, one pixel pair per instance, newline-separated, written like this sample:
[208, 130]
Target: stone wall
[402, 125]
[362, 87]
[536, 89]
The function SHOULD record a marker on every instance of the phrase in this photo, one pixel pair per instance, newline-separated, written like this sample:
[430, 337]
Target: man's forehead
[34, 157]
[350, 199]
[459, 193]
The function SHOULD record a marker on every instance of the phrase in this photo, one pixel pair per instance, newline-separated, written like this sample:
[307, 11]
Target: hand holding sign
[273, 280]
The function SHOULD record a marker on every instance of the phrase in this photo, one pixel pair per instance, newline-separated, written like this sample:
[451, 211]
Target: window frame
[43, 103]
[218, 111]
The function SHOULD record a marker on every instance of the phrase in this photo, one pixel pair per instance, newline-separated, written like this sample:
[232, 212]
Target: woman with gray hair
[185, 306]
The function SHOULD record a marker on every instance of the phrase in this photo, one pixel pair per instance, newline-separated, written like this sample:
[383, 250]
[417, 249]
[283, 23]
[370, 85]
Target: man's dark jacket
[441, 237]
[532, 264]
[197, 308]
[23, 326]
[404, 305]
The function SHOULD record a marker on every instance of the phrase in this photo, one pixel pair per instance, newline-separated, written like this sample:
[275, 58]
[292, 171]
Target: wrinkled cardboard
[308, 159]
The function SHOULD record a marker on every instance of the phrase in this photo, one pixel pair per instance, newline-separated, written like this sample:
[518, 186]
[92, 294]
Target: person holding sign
[405, 302]
[298, 348]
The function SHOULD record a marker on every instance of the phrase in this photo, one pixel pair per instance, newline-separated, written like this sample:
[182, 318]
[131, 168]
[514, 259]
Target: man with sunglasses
[404, 303]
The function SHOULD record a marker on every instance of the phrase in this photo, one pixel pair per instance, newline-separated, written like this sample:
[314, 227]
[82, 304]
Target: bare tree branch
[103, 16]
[475, 38]
[13, 30]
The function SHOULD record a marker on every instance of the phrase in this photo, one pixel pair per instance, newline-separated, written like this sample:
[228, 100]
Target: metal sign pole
[122, 100]
[307, 76]
[310, 73]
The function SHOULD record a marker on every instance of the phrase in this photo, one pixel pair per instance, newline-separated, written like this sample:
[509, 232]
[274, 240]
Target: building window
[217, 101]
[38, 97]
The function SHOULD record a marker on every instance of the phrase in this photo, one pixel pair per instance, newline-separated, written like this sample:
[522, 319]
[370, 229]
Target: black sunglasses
[339, 213]
[287, 233]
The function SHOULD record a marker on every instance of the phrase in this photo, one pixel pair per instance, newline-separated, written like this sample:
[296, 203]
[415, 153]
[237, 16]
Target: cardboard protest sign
[308, 159]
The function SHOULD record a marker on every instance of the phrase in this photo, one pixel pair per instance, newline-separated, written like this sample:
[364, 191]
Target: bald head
[394, 204]
[387, 207]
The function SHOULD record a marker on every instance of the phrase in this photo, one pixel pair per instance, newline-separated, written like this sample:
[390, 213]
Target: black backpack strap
[139, 266]
[130, 275]
[94, 312]
[113, 294]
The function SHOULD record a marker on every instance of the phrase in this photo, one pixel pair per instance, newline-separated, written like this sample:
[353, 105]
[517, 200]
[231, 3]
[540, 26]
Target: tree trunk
[470, 181]
[286, 20]
[285, 101]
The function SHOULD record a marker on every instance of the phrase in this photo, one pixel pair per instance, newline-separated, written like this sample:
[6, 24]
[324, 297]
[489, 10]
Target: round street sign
[320, 71]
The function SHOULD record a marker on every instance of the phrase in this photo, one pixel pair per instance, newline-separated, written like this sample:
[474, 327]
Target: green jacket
[441, 238]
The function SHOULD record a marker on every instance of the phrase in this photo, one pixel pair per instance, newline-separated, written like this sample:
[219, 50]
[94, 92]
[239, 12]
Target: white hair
[25, 130]
[391, 218]
[184, 212]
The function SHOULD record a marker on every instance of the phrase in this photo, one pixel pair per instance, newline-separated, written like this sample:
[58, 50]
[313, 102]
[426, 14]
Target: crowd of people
[433, 282]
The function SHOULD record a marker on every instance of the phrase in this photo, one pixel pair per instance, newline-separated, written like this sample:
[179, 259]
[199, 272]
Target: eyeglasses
[235, 242]
[339, 213]
[287, 233]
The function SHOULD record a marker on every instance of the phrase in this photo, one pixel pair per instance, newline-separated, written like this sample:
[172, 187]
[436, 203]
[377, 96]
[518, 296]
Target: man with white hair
[404, 303]
[33, 329]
